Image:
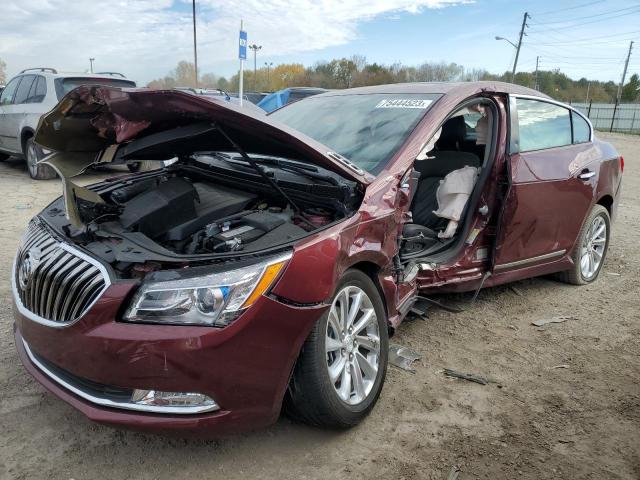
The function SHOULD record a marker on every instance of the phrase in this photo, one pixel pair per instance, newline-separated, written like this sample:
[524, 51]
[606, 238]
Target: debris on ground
[512, 327]
[516, 291]
[564, 365]
[403, 357]
[454, 473]
[546, 321]
[466, 376]
[23, 206]
[613, 273]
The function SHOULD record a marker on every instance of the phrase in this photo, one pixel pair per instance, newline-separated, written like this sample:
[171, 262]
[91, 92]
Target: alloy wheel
[352, 345]
[593, 248]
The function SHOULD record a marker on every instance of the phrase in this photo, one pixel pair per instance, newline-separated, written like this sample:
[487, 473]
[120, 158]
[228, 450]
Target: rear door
[7, 132]
[551, 188]
[15, 113]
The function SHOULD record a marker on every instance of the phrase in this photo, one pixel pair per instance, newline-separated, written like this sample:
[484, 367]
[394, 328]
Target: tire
[33, 154]
[583, 273]
[313, 397]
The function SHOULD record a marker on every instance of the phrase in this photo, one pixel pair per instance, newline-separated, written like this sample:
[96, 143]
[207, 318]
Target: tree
[3, 73]
[631, 91]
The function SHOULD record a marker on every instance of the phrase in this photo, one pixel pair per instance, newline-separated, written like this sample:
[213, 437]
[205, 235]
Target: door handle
[586, 174]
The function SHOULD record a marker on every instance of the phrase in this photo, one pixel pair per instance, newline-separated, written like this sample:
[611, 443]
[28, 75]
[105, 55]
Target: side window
[581, 129]
[7, 94]
[23, 89]
[38, 90]
[542, 125]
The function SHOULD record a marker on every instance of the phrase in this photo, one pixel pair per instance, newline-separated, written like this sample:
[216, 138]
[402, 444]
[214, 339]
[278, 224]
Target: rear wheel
[591, 248]
[342, 366]
[37, 171]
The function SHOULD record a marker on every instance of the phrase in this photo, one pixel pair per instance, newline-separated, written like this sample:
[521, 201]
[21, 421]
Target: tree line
[357, 72]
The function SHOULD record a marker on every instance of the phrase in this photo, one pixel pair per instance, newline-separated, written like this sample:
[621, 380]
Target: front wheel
[341, 369]
[591, 248]
[37, 171]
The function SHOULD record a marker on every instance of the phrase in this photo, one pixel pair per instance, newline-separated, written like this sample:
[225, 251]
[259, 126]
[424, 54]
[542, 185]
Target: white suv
[29, 95]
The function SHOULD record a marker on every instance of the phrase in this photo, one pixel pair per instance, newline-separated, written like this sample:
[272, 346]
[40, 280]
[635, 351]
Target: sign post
[242, 55]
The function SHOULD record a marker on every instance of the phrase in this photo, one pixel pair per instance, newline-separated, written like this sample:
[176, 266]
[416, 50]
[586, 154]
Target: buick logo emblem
[29, 263]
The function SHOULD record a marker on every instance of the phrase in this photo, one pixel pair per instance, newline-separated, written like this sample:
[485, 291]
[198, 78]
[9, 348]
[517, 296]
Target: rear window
[65, 85]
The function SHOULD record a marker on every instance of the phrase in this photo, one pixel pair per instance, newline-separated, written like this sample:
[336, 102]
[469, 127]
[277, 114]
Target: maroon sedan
[267, 266]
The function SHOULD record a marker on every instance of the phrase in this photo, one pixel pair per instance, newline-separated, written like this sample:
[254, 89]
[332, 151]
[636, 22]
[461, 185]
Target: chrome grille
[52, 280]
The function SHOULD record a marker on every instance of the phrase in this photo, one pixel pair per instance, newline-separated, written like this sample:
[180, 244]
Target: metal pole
[589, 111]
[633, 122]
[624, 73]
[240, 86]
[515, 61]
[537, 62]
[91, 63]
[195, 50]
[613, 117]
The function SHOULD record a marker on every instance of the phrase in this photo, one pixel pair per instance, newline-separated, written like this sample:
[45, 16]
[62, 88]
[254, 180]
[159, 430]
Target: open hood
[97, 124]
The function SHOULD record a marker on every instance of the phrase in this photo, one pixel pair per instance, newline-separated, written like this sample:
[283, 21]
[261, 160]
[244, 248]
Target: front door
[550, 195]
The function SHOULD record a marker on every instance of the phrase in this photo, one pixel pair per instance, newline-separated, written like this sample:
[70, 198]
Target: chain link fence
[624, 117]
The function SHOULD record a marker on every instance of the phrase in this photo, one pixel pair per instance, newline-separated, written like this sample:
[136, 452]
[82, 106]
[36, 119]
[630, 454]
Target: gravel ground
[533, 421]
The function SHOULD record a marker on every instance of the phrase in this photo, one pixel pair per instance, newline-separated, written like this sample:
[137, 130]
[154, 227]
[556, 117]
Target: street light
[268, 65]
[255, 49]
[507, 40]
[91, 60]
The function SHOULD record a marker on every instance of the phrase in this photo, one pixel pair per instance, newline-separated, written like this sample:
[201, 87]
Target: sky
[145, 39]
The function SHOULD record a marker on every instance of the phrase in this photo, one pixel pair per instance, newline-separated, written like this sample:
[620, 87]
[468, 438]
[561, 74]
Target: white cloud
[146, 38]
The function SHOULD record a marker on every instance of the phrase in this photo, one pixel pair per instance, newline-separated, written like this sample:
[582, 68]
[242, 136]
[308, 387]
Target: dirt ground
[533, 421]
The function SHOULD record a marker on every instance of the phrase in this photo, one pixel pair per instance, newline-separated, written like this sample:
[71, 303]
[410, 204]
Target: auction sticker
[403, 103]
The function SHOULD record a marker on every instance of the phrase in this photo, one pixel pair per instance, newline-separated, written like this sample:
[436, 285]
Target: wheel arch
[25, 134]
[607, 202]
[373, 270]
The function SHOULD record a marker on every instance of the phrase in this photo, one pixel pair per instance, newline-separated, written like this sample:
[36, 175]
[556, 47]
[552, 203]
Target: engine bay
[212, 205]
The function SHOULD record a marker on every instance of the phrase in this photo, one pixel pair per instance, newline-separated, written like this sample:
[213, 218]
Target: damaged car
[267, 267]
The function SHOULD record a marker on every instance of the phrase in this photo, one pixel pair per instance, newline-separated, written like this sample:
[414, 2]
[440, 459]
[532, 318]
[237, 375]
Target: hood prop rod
[263, 174]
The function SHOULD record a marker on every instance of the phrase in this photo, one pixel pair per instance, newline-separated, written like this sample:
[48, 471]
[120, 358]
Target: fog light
[196, 402]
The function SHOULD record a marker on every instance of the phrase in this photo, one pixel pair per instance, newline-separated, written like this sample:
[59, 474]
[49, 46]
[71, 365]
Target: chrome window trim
[527, 261]
[513, 111]
[106, 402]
[50, 323]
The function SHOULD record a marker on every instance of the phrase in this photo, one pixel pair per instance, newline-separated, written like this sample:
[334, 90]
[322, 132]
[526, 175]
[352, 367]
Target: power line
[591, 21]
[549, 12]
[590, 39]
[590, 16]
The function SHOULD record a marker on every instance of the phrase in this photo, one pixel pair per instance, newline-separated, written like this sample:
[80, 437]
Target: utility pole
[515, 61]
[624, 73]
[195, 50]
[255, 49]
[91, 60]
[537, 63]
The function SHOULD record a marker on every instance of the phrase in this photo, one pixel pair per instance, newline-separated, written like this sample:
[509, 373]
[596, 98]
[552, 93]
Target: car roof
[452, 89]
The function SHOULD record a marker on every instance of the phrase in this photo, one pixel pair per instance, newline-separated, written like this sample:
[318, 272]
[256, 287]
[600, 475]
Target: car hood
[112, 125]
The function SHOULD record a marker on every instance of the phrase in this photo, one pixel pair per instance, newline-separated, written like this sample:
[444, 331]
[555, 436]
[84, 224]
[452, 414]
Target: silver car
[27, 97]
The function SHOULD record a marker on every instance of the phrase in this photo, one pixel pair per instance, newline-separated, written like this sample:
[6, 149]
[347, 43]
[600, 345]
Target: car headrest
[453, 132]
[442, 163]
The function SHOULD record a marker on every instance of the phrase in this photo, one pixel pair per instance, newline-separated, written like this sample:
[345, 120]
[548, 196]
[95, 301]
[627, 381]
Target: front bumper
[245, 367]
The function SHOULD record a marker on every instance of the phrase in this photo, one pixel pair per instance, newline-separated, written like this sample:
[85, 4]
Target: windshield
[65, 85]
[367, 129]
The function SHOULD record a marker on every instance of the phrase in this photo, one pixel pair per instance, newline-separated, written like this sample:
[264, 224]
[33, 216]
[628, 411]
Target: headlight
[213, 299]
